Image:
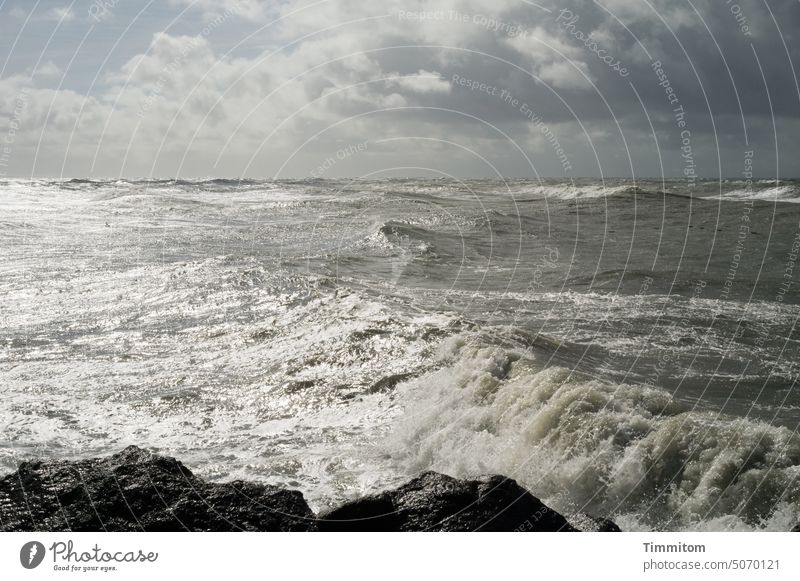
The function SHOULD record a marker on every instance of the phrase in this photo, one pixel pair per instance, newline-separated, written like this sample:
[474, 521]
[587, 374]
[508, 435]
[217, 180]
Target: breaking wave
[629, 452]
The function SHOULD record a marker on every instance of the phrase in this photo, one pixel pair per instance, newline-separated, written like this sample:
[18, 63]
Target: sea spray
[589, 446]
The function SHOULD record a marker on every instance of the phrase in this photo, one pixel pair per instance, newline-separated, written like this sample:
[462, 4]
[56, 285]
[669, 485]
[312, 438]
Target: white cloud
[553, 60]
[565, 75]
[59, 13]
[46, 69]
[423, 82]
[55, 14]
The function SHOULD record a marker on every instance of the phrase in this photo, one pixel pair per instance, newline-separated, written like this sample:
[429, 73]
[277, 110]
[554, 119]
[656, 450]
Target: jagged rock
[593, 524]
[135, 490]
[435, 502]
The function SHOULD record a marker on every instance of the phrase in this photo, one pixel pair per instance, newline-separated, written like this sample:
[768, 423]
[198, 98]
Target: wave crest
[630, 452]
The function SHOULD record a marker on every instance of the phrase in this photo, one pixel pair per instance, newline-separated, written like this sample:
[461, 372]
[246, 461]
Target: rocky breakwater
[435, 502]
[135, 490]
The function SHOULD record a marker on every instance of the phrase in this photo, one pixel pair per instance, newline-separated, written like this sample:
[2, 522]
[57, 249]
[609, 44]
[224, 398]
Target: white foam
[786, 193]
[623, 451]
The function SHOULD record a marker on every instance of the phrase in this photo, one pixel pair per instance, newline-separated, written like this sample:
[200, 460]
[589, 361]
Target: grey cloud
[569, 76]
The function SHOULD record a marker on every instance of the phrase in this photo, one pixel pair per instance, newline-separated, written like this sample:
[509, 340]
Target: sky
[443, 88]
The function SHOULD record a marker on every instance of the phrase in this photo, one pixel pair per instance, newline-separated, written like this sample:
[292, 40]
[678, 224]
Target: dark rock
[135, 490]
[435, 502]
[594, 524]
[796, 528]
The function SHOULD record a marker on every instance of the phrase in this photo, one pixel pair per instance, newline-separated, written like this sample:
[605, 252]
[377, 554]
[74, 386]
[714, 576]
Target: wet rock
[435, 502]
[593, 524]
[135, 490]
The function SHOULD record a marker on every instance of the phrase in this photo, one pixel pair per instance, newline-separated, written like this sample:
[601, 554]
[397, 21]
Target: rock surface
[435, 502]
[134, 491]
[592, 524]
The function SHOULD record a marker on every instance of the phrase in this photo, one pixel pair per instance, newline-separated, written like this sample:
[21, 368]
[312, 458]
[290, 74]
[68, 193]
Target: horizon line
[367, 179]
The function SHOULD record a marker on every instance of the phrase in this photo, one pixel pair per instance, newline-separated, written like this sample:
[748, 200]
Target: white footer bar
[371, 556]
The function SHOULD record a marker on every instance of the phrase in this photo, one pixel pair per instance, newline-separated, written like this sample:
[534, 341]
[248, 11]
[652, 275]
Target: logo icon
[32, 554]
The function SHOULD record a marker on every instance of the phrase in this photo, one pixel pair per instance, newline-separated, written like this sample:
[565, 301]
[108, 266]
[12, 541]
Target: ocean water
[624, 349]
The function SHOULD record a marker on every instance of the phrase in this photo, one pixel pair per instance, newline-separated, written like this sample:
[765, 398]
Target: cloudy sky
[332, 88]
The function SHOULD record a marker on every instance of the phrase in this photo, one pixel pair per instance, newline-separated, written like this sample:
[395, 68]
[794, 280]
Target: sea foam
[626, 451]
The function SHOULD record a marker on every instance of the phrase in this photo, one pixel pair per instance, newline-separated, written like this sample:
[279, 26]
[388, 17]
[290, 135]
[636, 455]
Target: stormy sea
[620, 347]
